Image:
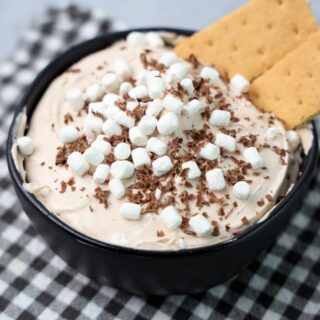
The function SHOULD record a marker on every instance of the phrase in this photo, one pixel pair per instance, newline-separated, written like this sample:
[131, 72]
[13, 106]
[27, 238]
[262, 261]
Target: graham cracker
[290, 89]
[251, 39]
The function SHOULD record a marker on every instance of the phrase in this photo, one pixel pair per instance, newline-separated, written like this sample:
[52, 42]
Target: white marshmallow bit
[77, 163]
[226, 142]
[111, 112]
[117, 188]
[154, 108]
[122, 151]
[161, 166]
[241, 190]
[252, 156]
[200, 225]
[125, 87]
[93, 156]
[168, 58]
[157, 194]
[137, 137]
[220, 118]
[156, 87]
[68, 134]
[173, 104]
[109, 99]
[293, 139]
[140, 158]
[171, 217]
[192, 107]
[178, 70]
[193, 170]
[122, 68]
[130, 211]
[131, 105]
[273, 132]
[138, 92]
[147, 124]
[136, 39]
[25, 145]
[123, 119]
[215, 179]
[103, 146]
[154, 40]
[122, 169]
[168, 123]
[211, 74]
[110, 128]
[111, 81]
[209, 151]
[239, 84]
[157, 146]
[92, 124]
[187, 86]
[94, 92]
[119, 239]
[97, 107]
[101, 173]
[75, 98]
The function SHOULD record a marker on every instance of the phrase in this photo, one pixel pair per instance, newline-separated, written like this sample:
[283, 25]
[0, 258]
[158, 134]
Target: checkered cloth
[35, 283]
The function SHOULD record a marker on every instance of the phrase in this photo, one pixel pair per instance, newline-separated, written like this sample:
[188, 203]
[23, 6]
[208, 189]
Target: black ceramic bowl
[146, 271]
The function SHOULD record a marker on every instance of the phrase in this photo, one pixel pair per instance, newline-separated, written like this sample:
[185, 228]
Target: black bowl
[145, 271]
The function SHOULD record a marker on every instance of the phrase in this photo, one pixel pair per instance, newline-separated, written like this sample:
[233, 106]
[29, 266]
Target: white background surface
[15, 15]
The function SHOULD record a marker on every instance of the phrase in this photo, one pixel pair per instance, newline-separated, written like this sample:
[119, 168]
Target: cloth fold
[36, 284]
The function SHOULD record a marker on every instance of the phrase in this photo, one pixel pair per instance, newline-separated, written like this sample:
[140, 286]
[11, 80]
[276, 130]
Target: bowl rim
[309, 166]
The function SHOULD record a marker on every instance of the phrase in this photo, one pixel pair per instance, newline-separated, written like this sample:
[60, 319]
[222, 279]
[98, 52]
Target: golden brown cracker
[290, 89]
[251, 39]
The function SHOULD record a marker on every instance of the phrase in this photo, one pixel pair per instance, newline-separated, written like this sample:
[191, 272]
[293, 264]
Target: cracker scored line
[251, 39]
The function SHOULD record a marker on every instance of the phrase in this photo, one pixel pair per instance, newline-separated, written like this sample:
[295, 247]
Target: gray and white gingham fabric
[36, 284]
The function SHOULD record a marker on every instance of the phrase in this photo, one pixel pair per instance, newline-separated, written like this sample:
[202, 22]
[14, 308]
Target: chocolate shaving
[102, 196]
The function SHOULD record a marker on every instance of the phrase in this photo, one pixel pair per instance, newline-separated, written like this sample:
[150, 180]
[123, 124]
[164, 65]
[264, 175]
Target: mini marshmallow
[122, 68]
[168, 123]
[171, 217]
[241, 190]
[293, 139]
[200, 225]
[123, 119]
[138, 92]
[156, 87]
[187, 86]
[93, 156]
[239, 84]
[101, 173]
[252, 156]
[110, 128]
[103, 146]
[168, 58]
[130, 211]
[77, 163]
[122, 151]
[211, 74]
[131, 105]
[147, 124]
[125, 87]
[136, 39]
[173, 104]
[25, 145]
[215, 179]
[220, 118]
[112, 111]
[117, 188]
[162, 166]
[273, 132]
[97, 107]
[157, 194]
[140, 158]
[119, 239]
[157, 146]
[226, 142]
[68, 134]
[154, 40]
[209, 151]
[111, 81]
[178, 70]
[94, 92]
[110, 98]
[137, 137]
[169, 79]
[193, 170]
[154, 108]
[92, 124]
[75, 98]
[122, 169]
[192, 107]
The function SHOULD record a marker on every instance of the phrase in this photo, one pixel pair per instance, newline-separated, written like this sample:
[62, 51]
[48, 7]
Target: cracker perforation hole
[235, 47]
[244, 22]
[310, 75]
[269, 26]
[289, 73]
[280, 2]
[296, 30]
[260, 51]
[300, 102]
[277, 98]
[210, 42]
